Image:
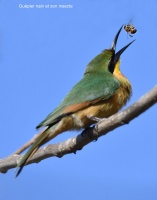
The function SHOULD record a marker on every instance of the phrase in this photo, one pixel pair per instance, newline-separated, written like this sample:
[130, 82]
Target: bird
[102, 92]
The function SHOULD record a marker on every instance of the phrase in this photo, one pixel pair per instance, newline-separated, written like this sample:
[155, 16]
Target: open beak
[117, 55]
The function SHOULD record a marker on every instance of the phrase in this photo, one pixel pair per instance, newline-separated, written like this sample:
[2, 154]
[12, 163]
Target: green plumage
[97, 83]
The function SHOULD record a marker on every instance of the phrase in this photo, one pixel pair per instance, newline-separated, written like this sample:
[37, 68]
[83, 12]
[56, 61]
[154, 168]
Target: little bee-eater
[101, 92]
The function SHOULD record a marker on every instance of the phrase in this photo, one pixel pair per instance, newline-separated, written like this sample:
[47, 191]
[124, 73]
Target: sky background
[43, 53]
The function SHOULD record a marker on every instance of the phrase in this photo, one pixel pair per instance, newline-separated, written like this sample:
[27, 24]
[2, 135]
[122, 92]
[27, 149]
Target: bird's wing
[89, 90]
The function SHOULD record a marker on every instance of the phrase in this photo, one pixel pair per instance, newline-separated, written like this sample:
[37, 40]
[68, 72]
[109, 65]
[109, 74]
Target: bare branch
[77, 143]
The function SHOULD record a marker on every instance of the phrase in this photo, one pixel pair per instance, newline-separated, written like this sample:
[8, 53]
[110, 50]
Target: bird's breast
[102, 109]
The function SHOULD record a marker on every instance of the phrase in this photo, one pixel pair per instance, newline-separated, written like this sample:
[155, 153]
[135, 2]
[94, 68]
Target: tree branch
[77, 143]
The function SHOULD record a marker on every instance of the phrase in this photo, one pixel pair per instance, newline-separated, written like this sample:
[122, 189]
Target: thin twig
[76, 143]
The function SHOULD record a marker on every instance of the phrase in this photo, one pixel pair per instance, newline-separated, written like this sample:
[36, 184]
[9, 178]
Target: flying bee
[130, 29]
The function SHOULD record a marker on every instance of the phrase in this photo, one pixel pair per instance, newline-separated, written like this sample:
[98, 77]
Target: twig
[76, 143]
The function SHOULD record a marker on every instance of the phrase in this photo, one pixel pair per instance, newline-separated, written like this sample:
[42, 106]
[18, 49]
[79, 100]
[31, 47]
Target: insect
[130, 29]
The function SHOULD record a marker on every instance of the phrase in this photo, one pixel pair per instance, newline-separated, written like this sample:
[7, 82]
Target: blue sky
[43, 53]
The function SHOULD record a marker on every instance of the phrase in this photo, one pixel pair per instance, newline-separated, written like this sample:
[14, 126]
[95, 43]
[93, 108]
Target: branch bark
[78, 142]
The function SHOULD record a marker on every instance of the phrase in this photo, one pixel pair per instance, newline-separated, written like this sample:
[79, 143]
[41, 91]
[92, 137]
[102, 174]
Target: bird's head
[108, 60]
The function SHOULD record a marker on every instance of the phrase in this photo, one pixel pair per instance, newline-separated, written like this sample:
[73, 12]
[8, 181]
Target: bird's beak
[117, 55]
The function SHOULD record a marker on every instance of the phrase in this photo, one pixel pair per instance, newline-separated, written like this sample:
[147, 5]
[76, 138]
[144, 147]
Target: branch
[77, 143]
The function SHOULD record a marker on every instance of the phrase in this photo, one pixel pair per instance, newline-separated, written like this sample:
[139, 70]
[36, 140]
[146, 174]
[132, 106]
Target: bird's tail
[43, 137]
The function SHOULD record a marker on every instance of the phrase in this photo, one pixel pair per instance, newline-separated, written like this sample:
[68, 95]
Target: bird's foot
[98, 120]
[85, 131]
[89, 131]
[95, 119]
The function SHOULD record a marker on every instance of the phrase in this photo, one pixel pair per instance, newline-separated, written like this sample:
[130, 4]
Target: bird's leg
[98, 120]
[89, 131]
[83, 134]
[85, 131]
[95, 119]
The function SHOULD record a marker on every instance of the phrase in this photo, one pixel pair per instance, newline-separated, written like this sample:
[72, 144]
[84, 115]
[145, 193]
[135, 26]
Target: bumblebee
[130, 29]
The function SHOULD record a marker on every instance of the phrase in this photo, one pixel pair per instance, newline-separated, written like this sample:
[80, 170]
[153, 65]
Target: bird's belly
[102, 109]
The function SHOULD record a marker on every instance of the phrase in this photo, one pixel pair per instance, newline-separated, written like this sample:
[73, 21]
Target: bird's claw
[96, 119]
[96, 126]
[90, 135]
[83, 134]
